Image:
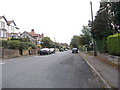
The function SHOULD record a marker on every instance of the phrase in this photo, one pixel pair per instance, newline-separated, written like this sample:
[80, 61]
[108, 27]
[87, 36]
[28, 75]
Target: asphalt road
[60, 70]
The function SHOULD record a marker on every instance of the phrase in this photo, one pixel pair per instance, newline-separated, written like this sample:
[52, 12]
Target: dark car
[44, 51]
[61, 49]
[74, 50]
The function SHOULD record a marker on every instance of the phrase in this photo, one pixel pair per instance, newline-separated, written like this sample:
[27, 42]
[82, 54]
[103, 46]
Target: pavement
[59, 70]
[107, 73]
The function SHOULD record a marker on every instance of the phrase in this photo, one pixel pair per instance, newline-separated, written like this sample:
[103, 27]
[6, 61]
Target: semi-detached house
[34, 38]
[8, 29]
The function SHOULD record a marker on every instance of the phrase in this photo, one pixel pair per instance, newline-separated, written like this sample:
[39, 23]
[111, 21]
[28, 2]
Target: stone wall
[33, 51]
[25, 52]
[9, 53]
[112, 58]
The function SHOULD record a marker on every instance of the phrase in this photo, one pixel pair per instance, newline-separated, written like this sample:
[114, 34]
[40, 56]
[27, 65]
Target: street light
[91, 22]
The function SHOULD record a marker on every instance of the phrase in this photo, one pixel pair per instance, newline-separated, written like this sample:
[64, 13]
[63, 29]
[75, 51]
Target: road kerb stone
[106, 83]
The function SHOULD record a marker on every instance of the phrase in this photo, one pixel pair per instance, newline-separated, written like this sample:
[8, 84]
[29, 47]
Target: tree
[115, 12]
[102, 24]
[85, 38]
[75, 41]
[46, 42]
[86, 31]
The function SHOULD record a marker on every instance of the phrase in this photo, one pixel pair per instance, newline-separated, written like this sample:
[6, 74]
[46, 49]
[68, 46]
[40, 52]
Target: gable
[25, 35]
[3, 20]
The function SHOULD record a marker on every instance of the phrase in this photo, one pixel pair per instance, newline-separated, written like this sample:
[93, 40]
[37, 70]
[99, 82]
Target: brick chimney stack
[32, 30]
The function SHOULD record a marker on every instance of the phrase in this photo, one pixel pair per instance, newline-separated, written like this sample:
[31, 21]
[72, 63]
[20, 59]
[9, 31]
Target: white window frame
[2, 25]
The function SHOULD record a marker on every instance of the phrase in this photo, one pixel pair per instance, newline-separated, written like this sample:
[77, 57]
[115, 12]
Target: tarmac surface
[59, 70]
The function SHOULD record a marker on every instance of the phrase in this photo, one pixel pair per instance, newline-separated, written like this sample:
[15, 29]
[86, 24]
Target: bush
[14, 44]
[26, 45]
[101, 45]
[4, 43]
[23, 45]
[21, 39]
[113, 44]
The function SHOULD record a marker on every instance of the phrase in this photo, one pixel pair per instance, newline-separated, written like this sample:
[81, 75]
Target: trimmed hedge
[113, 44]
[15, 44]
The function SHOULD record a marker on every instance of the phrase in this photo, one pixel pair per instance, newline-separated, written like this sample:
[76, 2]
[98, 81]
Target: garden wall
[25, 52]
[9, 53]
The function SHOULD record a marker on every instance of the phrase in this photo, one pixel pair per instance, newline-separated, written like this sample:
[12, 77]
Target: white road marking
[2, 63]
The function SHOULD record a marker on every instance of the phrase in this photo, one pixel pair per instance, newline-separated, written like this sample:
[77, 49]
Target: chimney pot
[32, 30]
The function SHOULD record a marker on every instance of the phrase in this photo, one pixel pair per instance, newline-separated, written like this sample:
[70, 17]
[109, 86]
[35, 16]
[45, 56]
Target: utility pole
[55, 43]
[94, 45]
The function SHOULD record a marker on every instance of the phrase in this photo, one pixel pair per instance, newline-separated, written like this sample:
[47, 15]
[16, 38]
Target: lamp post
[94, 48]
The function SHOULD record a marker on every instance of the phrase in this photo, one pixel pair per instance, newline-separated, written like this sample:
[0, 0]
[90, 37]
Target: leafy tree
[46, 42]
[86, 31]
[102, 24]
[75, 41]
[115, 11]
[85, 38]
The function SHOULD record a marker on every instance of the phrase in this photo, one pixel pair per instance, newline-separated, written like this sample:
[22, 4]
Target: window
[4, 34]
[1, 33]
[2, 25]
[12, 28]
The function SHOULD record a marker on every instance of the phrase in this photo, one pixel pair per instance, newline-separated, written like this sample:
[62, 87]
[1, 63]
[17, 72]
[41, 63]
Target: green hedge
[16, 44]
[113, 44]
[101, 45]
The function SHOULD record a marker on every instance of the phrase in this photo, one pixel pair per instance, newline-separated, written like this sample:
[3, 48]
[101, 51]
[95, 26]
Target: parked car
[74, 50]
[66, 49]
[44, 51]
[61, 49]
[52, 50]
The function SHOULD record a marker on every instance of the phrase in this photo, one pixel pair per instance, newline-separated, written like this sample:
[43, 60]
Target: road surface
[59, 70]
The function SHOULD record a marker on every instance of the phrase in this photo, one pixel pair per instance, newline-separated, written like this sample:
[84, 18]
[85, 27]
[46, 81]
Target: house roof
[9, 22]
[28, 34]
[32, 33]
[3, 17]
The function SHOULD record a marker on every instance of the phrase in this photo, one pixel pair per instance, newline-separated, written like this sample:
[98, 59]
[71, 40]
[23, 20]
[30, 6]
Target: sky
[59, 19]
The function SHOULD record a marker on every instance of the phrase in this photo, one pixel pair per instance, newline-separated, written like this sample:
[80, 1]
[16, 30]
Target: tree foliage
[75, 41]
[115, 9]
[102, 24]
[47, 42]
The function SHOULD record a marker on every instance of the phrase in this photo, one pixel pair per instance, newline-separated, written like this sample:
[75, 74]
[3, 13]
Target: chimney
[42, 35]
[32, 30]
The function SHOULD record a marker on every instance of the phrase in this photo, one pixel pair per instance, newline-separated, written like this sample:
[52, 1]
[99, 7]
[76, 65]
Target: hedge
[15, 44]
[113, 44]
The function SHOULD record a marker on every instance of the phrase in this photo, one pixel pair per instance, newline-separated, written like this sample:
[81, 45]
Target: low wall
[33, 51]
[9, 53]
[25, 52]
[111, 58]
